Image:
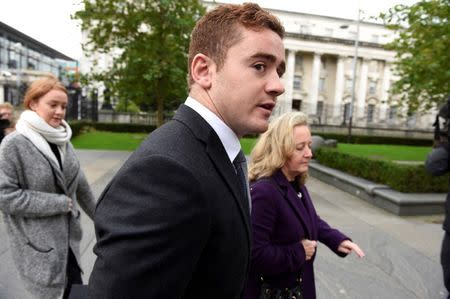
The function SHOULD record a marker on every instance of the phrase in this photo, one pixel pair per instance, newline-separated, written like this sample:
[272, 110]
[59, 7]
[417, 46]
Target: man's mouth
[268, 106]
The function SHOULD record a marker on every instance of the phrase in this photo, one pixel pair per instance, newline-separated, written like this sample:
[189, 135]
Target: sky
[49, 21]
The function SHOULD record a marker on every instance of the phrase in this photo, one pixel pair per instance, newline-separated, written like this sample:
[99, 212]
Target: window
[13, 61]
[393, 112]
[372, 87]
[370, 112]
[375, 66]
[322, 84]
[348, 84]
[3, 52]
[12, 64]
[297, 82]
[323, 62]
[347, 112]
[328, 31]
[304, 29]
[32, 63]
[319, 108]
[298, 62]
[375, 38]
[296, 105]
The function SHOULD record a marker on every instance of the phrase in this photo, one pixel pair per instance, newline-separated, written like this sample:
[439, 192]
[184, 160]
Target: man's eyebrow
[269, 57]
[265, 56]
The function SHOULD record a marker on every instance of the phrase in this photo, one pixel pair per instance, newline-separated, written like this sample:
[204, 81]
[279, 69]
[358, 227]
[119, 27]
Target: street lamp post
[355, 60]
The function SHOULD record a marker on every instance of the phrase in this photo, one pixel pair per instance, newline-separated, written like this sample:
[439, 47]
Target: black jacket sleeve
[437, 160]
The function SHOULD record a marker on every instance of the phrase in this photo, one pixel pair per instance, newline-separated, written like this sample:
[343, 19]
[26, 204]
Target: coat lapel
[311, 212]
[217, 154]
[59, 176]
[293, 200]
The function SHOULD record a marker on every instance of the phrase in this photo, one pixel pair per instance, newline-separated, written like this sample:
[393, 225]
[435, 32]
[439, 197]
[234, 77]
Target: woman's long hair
[276, 146]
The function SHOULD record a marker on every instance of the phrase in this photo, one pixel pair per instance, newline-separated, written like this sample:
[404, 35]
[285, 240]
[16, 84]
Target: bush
[366, 139]
[79, 126]
[403, 178]
[127, 106]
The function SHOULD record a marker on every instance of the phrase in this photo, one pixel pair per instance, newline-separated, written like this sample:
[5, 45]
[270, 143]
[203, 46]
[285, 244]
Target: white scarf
[39, 132]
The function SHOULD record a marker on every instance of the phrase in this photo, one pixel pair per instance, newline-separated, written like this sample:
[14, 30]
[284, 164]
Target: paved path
[402, 253]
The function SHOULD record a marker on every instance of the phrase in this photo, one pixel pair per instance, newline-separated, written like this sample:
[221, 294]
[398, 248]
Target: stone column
[386, 84]
[362, 91]
[2, 94]
[286, 104]
[339, 87]
[314, 90]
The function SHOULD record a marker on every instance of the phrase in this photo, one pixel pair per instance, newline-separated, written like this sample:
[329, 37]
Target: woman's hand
[70, 205]
[348, 246]
[310, 248]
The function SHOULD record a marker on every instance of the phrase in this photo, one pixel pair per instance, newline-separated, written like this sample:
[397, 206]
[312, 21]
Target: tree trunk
[159, 108]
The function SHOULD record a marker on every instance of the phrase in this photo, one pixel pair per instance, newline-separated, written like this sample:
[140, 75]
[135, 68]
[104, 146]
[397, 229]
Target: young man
[174, 222]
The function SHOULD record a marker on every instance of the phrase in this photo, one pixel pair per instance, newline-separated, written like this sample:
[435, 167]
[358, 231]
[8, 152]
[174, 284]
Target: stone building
[319, 72]
[23, 60]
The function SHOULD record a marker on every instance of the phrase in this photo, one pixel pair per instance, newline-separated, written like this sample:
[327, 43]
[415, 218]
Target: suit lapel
[226, 169]
[218, 156]
[293, 200]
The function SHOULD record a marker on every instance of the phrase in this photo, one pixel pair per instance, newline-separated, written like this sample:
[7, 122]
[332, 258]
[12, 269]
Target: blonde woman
[41, 191]
[286, 227]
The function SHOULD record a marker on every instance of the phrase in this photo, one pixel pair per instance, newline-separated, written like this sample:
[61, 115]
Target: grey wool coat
[34, 201]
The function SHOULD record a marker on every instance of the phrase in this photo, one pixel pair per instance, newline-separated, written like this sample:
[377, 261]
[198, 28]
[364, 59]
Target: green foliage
[366, 139]
[403, 178]
[422, 52]
[126, 106]
[148, 41]
[80, 127]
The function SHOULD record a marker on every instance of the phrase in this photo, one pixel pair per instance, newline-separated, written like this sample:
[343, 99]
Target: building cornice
[325, 39]
[15, 35]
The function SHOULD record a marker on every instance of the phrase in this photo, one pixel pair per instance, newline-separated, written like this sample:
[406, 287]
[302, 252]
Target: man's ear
[201, 70]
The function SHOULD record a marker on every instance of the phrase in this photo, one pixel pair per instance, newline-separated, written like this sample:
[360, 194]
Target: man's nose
[275, 85]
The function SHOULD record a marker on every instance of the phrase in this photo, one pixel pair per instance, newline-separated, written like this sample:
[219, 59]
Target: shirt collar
[228, 138]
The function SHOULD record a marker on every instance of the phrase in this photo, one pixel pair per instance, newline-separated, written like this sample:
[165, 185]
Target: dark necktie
[240, 164]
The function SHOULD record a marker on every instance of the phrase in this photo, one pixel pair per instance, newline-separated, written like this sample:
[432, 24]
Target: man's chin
[260, 127]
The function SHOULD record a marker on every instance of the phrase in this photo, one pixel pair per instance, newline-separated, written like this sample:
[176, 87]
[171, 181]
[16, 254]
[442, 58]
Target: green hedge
[403, 178]
[366, 139]
[79, 126]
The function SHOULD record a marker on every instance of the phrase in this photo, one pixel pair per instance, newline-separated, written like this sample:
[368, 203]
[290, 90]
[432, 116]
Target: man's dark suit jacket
[172, 223]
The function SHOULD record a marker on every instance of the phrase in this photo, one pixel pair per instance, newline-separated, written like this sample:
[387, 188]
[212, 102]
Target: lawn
[108, 140]
[386, 152]
[127, 141]
[247, 144]
[130, 141]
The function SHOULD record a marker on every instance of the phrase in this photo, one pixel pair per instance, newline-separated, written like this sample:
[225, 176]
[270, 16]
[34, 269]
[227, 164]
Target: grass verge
[108, 140]
[386, 152]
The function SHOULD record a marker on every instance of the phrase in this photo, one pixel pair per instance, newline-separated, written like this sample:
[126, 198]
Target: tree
[148, 41]
[422, 50]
